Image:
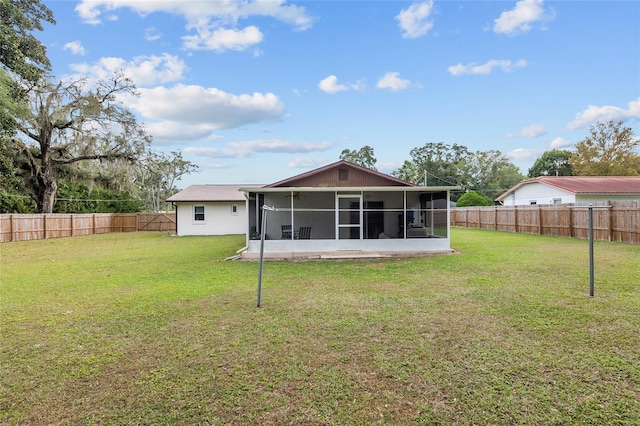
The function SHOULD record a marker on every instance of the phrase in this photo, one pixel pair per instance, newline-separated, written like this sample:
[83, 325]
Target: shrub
[472, 198]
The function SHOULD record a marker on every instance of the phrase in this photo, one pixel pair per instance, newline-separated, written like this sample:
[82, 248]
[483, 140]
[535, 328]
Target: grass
[146, 329]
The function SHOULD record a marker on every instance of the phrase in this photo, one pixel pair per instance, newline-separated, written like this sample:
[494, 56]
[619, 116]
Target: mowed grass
[143, 328]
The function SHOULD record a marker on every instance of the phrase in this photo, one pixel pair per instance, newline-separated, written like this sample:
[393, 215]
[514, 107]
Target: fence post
[72, 224]
[44, 225]
[495, 218]
[515, 218]
[609, 221]
[11, 228]
[570, 221]
[539, 219]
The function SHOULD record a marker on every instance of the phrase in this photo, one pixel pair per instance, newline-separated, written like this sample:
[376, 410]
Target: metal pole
[591, 285]
[264, 230]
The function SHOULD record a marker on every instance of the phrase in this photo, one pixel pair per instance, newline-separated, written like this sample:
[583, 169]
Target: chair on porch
[286, 232]
[304, 233]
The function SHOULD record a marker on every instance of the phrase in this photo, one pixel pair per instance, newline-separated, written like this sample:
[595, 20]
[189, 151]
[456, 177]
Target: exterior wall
[540, 193]
[331, 178]
[319, 246]
[581, 199]
[218, 219]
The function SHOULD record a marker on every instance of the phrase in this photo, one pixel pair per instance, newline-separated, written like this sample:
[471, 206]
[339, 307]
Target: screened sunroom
[364, 219]
[344, 206]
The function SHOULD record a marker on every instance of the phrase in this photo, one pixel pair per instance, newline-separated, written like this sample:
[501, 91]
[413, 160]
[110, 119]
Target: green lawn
[147, 329]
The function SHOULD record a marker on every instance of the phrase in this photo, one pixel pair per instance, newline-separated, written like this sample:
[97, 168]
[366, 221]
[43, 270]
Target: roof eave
[352, 188]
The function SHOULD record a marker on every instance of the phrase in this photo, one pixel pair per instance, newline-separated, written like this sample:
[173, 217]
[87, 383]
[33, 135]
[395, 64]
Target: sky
[259, 91]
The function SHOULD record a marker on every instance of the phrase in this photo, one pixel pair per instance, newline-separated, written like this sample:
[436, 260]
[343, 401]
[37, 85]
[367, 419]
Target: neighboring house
[571, 189]
[343, 206]
[210, 210]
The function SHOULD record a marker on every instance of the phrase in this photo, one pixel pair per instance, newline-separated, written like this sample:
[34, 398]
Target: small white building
[550, 190]
[210, 210]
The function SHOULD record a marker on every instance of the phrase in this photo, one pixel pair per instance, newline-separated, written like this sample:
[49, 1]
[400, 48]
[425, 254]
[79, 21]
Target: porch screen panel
[314, 215]
[321, 222]
[383, 214]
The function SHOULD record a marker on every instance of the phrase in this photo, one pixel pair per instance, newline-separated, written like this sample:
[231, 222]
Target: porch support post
[404, 215]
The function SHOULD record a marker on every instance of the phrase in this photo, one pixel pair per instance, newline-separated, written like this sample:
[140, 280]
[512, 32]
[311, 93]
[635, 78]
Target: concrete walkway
[337, 255]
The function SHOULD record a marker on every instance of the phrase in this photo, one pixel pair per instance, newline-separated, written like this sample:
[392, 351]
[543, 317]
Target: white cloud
[215, 166]
[524, 154]
[244, 149]
[173, 132]
[152, 34]
[75, 47]
[214, 22]
[559, 143]
[392, 81]
[142, 70]
[208, 109]
[521, 18]
[330, 85]
[414, 21]
[307, 163]
[389, 167]
[221, 39]
[486, 68]
[531, 131]
[594, 114]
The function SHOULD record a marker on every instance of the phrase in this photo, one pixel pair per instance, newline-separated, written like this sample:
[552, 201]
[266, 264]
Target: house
[571, 189]
[210, 210]
[346, 207]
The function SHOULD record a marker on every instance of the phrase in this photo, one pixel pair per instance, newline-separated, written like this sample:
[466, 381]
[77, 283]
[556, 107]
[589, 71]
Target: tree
[23, 58]
[490, 173]
[70, 122]
[363, 157]
[471, 198]
[159, 174]
[552, 163]
[20, 52]
[434, 164]
[607, 151]
[437, 164]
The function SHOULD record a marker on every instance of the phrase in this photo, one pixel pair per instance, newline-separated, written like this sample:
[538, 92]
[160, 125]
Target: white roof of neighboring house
[601, 185]
[202, 193]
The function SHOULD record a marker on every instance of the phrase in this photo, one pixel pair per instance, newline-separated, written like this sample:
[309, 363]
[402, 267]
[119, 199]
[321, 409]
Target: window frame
[197, 214]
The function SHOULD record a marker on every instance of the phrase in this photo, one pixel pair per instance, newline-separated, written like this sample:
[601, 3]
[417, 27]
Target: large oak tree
[71, 122]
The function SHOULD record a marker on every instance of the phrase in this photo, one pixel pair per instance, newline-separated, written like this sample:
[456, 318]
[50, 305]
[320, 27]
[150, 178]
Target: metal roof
[195, 193]
[621, 185]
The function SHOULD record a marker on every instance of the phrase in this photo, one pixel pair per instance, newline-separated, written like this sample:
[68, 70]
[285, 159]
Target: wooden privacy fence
[621, 222]
[24, 227]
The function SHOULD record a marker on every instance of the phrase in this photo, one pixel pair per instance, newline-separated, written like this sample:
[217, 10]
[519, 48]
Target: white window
[234, 210]
[557, 201]
[198, 213]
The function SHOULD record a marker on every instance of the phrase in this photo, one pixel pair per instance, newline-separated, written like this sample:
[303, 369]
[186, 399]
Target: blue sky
[258, 91]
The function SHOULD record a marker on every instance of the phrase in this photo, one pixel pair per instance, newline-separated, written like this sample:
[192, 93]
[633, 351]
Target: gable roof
[203, 193]
[330, 176]
[592, 185]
